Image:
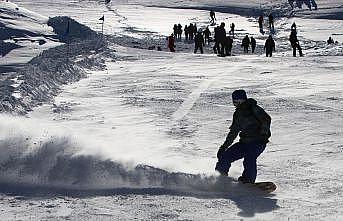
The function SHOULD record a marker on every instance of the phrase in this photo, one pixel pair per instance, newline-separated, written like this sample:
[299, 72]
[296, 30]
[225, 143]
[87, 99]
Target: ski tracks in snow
[189, 102]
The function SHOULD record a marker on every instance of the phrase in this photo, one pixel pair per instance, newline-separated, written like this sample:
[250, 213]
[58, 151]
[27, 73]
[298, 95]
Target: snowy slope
[76, 158]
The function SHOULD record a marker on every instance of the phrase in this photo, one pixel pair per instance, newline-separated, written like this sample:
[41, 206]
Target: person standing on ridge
[232, 30]
[252, 124]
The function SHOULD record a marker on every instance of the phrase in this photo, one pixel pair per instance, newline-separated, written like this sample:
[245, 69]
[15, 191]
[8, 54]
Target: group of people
[299, 3]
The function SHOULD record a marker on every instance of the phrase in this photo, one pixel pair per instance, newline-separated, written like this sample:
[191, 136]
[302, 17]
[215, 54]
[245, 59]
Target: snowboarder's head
[238, 97]
[222, 24]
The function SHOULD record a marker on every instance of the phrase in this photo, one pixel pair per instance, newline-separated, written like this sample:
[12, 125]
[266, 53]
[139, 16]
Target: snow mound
[68, 29]
[20, 22]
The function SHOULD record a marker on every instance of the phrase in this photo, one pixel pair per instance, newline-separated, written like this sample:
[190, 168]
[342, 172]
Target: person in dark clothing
[252, 124]
[330, 41]
[245, 44]
[253, 44]
[271, 22]
[213, 17]
[199, 42]
[207, 34]
[314, 4]
[228, 46]
[186, 32]
[216, 48]
[222, 38]
[175, 30]
[269, 46]
[295, 43]
[190, 31]
[171, 43]
[179, 31]
[260, 24]
[232, 30]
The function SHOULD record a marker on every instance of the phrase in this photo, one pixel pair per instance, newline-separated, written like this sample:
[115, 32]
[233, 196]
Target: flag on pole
[102, 18]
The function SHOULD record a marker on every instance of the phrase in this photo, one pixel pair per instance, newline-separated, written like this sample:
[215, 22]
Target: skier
[260, 24]
[171, 43]
[252, 124]
[232, 30]
[245, 44]
[295, 43]
[269, 46]
[207, 34]
[213, 17]
[190, 31]
[253, 44]
[199, 42]
[271, 22]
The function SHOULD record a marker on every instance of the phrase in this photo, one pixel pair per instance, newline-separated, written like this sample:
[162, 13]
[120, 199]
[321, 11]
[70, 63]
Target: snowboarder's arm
[234, 130]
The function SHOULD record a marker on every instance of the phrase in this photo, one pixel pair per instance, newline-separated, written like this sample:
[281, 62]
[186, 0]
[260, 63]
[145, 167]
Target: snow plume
[34, 154]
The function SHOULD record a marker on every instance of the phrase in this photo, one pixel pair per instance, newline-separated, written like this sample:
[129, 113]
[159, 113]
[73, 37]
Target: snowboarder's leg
[235, 152]
[294, 51]
[253, 150]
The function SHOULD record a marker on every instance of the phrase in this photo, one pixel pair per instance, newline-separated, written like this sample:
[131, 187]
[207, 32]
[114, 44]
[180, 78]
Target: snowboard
[266, 187]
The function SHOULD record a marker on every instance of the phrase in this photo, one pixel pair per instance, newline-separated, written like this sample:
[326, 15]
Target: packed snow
[101, 128]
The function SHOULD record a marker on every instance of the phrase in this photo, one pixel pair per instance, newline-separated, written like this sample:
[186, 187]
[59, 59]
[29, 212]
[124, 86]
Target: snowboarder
[199, 42]
[245, 44]
[171, 43]
[253, 44]
[232, 30]
[295, 43]
[252, 124]
[260, 24]
[213, 17]
[207, 34]
[269, 46]
[271, 22]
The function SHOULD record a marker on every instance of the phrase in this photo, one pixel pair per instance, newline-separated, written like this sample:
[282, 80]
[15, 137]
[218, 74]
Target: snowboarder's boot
[244, 180]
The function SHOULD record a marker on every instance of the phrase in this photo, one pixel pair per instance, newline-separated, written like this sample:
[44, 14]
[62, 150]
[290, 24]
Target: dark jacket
[251, 122]
[269, 45]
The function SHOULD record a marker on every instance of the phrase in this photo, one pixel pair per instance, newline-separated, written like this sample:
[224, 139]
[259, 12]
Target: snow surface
[138, 140]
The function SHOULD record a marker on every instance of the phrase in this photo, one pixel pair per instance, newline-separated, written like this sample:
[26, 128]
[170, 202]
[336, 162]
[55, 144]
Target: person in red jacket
[171, 43]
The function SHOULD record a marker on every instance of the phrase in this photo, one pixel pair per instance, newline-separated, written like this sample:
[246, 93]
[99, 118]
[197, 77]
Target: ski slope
[76, 157]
